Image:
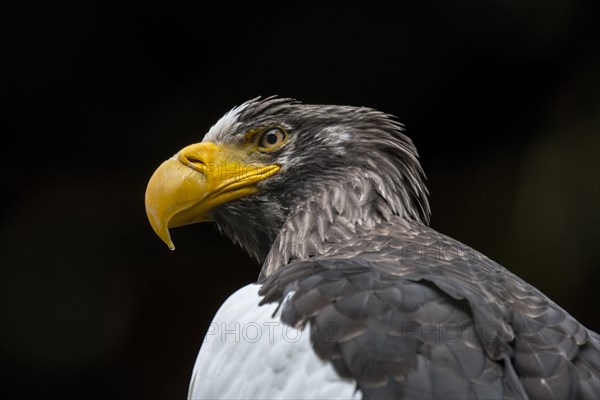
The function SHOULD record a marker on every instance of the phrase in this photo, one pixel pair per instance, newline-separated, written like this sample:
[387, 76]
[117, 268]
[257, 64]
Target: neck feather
[332, 219]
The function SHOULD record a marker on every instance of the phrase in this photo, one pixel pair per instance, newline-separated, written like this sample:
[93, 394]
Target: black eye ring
[272, 138]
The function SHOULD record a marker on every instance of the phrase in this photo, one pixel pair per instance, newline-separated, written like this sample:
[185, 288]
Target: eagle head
[275, 167]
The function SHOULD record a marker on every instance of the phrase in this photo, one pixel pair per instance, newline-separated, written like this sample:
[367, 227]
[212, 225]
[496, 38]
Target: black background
[500, 97]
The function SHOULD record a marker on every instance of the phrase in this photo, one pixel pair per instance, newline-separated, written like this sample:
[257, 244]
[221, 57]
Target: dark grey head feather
[345, 163]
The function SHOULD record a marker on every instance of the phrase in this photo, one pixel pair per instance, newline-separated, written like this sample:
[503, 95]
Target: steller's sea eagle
[357, 296]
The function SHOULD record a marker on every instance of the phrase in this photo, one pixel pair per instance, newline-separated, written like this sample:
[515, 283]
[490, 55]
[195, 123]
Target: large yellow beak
[185, 188]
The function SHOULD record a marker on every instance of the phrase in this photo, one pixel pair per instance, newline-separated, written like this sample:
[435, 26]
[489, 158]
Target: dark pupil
[271, 138]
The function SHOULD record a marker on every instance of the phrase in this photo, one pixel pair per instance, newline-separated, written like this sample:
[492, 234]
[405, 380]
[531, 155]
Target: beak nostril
[194, 158]
[192, 161]
[198, 156]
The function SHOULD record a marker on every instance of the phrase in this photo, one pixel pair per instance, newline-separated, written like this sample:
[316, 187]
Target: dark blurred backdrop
[500, 97]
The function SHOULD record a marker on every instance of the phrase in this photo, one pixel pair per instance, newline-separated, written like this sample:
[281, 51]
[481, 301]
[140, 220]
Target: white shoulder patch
[248, 354]
[227, 123]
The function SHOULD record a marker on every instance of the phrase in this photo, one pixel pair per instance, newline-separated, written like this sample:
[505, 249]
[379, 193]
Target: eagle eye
[272, 138]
